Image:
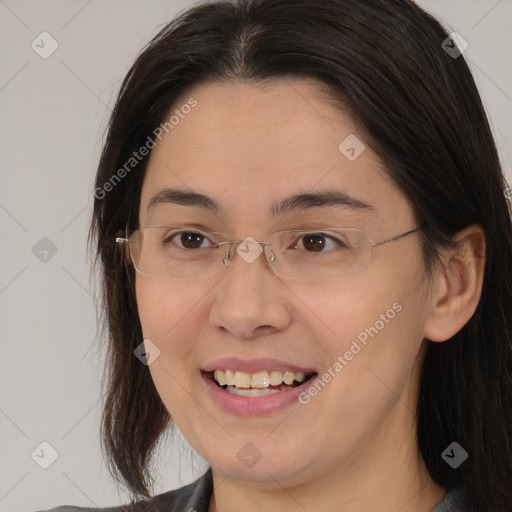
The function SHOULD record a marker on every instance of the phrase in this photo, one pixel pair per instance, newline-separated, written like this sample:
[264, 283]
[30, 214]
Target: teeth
[220, 377]
[288, 378]
[230, 377]
[250, 392]
[242, 379]
[276, 378]
[259, 380]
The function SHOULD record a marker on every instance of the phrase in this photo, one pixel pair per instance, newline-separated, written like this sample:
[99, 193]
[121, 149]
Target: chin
[261, 463]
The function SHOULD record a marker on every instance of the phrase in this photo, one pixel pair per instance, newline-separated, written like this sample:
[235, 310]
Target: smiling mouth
[259, 383]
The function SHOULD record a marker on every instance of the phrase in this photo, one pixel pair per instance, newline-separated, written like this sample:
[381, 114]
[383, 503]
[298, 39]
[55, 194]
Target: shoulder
[71, 508]
[452, 502]
[192, 497]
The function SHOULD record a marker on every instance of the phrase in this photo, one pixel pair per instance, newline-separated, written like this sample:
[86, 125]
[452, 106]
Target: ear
[457, 287]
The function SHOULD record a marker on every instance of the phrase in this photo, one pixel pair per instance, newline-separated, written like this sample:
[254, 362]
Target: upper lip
[254, 365]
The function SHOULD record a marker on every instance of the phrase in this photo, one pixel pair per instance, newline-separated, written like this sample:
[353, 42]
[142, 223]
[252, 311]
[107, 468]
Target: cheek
[353, 309]
[368, 369]
[164, 307]
[168, 316]
[371, 335]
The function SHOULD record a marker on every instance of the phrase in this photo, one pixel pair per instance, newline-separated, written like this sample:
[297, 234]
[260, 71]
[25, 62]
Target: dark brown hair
[419, 109]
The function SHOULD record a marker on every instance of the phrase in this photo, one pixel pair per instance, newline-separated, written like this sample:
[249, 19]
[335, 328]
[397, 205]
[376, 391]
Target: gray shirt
[195, 497]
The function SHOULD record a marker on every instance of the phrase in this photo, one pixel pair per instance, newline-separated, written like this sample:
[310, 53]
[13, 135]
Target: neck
[387, 475]
[387, 487]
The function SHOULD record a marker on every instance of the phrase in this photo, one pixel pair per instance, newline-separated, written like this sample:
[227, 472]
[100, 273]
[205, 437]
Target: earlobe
[458, 286]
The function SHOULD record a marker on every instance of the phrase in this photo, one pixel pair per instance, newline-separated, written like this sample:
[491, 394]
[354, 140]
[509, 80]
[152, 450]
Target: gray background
[53, 115]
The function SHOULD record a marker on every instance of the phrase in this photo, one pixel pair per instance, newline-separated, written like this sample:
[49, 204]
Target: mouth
[261, 383]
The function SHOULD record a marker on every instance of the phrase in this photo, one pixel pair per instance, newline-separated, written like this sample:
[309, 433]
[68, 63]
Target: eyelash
[168, 238]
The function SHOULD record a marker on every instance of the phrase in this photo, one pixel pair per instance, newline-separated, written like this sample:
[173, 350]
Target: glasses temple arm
[397, 237]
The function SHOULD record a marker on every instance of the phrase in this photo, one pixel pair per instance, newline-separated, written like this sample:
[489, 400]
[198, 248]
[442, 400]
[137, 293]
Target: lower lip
[252, 406]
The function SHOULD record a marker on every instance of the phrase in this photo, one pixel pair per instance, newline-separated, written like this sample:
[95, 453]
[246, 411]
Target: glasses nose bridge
[249, 250]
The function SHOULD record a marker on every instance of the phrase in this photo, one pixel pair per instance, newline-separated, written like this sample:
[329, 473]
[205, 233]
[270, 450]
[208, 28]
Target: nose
[251, 301]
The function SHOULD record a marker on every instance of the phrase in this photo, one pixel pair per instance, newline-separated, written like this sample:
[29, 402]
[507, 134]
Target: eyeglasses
[179, 253]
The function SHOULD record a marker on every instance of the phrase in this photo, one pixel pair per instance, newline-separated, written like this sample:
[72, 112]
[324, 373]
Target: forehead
[249, 146]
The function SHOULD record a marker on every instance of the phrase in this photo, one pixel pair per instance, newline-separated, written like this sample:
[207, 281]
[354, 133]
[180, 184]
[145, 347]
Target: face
[248, 148]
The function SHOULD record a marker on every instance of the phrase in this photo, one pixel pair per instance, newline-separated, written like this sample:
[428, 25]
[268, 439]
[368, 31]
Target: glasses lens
[176, 252]
[320, 255]
[181, 253]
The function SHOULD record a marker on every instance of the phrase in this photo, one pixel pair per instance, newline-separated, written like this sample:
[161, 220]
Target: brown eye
[191, 240]
[313, 242]
[320, 243]
[186, 239]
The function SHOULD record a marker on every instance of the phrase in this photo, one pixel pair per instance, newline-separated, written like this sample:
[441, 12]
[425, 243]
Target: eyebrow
[296, 202]
[177, 196]
[319, 199]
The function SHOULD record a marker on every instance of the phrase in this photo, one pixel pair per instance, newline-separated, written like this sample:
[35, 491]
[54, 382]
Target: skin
[353, 447]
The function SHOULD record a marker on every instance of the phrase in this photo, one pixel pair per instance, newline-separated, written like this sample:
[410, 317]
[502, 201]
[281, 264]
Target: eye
[187, 240]
[317, 242]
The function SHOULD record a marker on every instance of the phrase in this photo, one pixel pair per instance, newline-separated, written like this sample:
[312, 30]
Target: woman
[306, 247]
